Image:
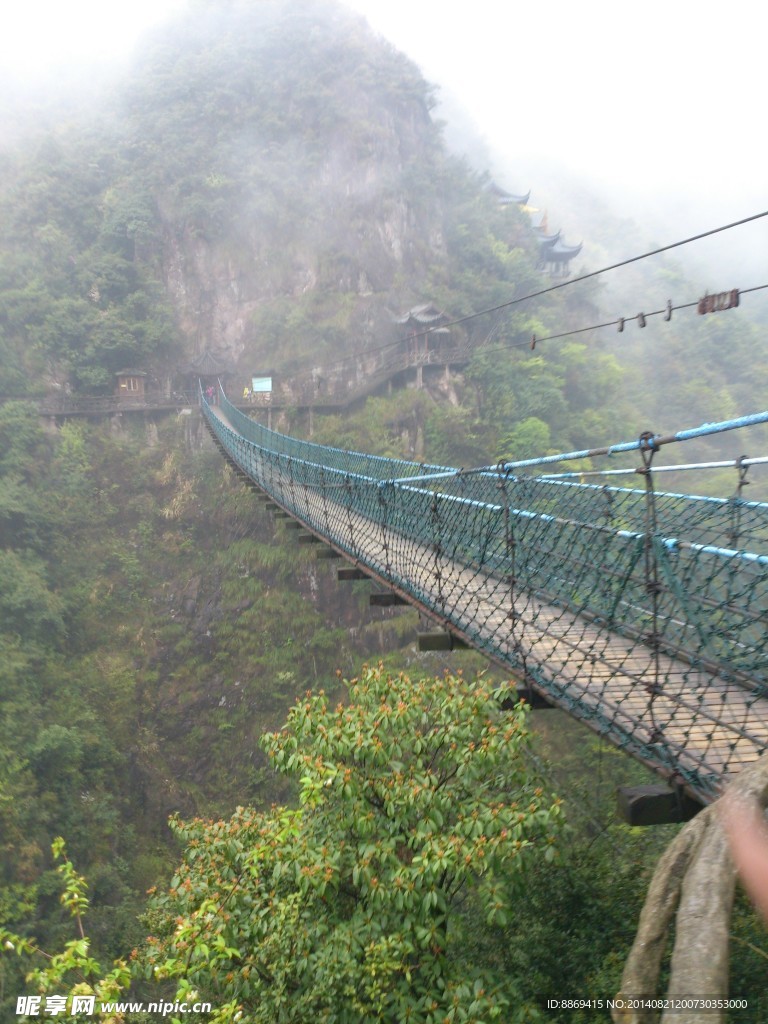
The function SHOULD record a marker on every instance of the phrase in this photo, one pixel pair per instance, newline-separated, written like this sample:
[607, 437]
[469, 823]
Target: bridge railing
[642, 613]
[374, 466]
[580, 548]
[63, 404]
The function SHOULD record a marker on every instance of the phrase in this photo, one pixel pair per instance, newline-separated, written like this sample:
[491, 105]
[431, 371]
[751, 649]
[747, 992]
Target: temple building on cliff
[555, 254]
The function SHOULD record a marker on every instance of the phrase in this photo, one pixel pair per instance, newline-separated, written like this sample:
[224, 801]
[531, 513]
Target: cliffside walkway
[640, 612]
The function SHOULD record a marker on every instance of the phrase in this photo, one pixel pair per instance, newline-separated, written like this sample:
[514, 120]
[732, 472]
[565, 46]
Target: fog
[45, 39]
[654, 99]
[651, 108]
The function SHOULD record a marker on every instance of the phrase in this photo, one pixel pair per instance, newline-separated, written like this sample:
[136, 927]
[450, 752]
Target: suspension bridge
[640, 612]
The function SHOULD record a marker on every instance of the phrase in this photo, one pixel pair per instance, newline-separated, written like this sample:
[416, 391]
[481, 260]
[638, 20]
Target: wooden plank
[344, 575]
[441, 641]
[385, 600]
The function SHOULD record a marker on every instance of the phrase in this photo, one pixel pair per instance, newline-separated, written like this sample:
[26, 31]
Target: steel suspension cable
[603, 270]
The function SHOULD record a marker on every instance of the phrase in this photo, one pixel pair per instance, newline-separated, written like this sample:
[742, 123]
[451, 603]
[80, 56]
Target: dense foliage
[415, 802]
[280, 201]
[79, 291]
[143, 652]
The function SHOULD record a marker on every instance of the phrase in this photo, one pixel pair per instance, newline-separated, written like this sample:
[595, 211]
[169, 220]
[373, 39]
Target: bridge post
[324, 498]
[648, 448]
[510, 543]
[343, 575]
[441, 641]
[438, 550]
[387, 599]
[348, 509]
[737, 502]
[384, 534]
[655, 805]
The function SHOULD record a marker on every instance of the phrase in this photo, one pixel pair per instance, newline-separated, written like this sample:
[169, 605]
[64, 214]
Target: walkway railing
[641, 612]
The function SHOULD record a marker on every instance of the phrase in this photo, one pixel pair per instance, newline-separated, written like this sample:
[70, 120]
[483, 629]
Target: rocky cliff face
[304, 188]
[269, 182]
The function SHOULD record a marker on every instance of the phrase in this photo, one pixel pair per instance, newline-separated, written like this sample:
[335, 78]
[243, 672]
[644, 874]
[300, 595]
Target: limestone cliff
[268, 183]
[300, 180]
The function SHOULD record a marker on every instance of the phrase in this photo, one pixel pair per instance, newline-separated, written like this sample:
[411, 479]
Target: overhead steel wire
[622, 320]
[603, 270]
[427, 332]
[674, 468]
[517, 565]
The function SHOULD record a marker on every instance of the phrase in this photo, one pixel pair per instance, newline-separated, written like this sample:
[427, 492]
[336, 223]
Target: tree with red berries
[415, 801]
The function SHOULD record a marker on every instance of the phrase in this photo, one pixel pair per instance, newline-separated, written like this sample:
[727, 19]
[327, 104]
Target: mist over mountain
[274, 183]
[259, 160]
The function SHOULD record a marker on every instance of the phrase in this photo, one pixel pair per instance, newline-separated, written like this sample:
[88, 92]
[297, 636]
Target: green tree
[526, 440]
[417, 812]
[27, 606]
[416, 803]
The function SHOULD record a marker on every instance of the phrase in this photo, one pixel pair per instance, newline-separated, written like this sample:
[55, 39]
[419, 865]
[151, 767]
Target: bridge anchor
[655, 805]
[385, 600]
[351, 574]
[441, 642]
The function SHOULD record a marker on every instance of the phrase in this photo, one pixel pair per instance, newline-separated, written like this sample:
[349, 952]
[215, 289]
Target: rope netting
[640, 612]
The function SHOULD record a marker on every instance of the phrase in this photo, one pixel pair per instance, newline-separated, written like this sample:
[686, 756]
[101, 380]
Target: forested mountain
[270, 184]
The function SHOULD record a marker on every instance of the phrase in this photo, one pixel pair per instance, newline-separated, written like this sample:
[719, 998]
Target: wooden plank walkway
[694, 724]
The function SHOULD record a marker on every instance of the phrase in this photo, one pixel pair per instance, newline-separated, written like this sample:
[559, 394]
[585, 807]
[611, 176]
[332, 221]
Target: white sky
[38, 36]
[659, 103]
